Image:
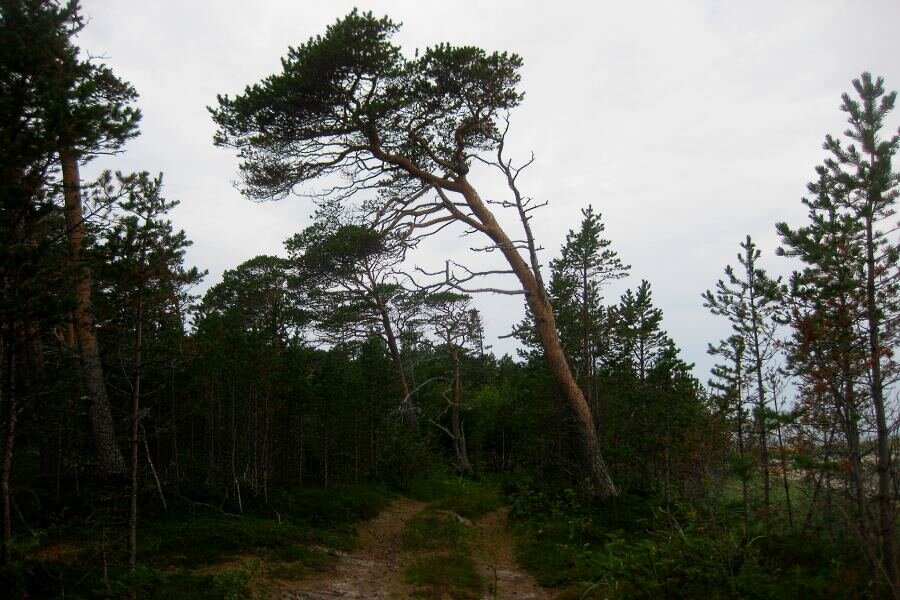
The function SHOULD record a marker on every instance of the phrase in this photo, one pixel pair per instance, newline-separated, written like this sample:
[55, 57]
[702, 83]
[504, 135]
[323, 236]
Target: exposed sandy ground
[375, 569]
[494, 553]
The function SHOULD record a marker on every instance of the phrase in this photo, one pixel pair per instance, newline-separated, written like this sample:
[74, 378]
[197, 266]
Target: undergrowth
[633, 547]
[197, 550]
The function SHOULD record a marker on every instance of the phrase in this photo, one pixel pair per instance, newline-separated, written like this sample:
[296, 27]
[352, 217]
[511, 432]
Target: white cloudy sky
[688, 124]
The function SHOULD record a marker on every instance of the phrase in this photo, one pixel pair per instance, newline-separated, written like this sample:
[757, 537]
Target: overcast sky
[687, 124]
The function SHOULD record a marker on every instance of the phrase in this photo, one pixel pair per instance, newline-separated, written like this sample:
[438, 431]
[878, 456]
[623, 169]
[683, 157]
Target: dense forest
[152, 436]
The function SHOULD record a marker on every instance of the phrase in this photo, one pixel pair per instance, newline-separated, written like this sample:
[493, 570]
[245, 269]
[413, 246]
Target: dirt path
[373, 570]
[376, 568]
[494, 553]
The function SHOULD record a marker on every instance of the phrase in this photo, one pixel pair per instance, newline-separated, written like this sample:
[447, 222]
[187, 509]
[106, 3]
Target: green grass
[442, 576]
[440, 542]
[430, 530]
[467, 498]
[474, 502]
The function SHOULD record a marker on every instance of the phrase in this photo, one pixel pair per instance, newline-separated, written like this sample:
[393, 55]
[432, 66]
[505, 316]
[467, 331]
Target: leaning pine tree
[349, 105]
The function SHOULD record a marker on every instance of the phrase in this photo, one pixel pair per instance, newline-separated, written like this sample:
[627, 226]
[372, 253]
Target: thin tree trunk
[885, 501]
[8, 393]
[135, 435]
[174, 460]
[234, 477]
[744, 492]
[266, 452]
[459, 437]
[784, 469]
[110, 460]
[407, 407]
[159, 489]
[758, 369]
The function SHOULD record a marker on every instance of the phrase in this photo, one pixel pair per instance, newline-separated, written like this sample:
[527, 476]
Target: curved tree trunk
[542, 312]
[109, 456]
[529, 277]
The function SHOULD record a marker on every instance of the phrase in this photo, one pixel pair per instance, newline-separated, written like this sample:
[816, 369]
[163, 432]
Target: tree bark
[109, 456]
[545, 323]
[135, 432]
[456, 426]
[8, 393]
[535, 295]
[406, 407]
[758, 369]
[885, 501]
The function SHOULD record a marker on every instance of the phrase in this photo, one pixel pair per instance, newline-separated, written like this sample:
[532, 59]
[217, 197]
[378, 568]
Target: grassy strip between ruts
[439, 536]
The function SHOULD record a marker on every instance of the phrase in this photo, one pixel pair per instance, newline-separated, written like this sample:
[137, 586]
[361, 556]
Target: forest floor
[386, 564]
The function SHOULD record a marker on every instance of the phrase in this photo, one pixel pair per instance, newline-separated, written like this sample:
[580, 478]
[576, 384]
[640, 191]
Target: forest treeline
[334, 363]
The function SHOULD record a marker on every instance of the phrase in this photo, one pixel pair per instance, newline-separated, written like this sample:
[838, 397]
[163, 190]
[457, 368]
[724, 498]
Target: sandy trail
[375, 569]
[493, 551]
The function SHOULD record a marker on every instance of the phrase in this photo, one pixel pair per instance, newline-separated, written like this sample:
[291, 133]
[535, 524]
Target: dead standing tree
[347, 104]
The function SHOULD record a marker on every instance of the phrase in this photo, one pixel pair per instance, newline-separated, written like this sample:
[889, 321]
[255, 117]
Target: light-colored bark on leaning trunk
[482, 219]
[109, 456]
[545, 323]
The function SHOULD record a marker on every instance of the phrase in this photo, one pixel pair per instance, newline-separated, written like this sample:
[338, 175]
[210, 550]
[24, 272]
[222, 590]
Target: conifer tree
[856, 190]
[145, 287]
[349, 104]
[350, 272]
[640, 340]
[585, 265]
[75, 109]
[750, 302]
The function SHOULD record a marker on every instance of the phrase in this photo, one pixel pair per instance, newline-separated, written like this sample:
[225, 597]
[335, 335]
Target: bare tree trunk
[745, 501]
[159, 489]
[885, 501]
[8, 393]
[758, 369]
[174, 459]
[855, 458]
[266, 465]
[407, 407]
[234, 477]
[135, 434]
[110, 460]
[784, 468]
[300, 455]
[456, 427]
